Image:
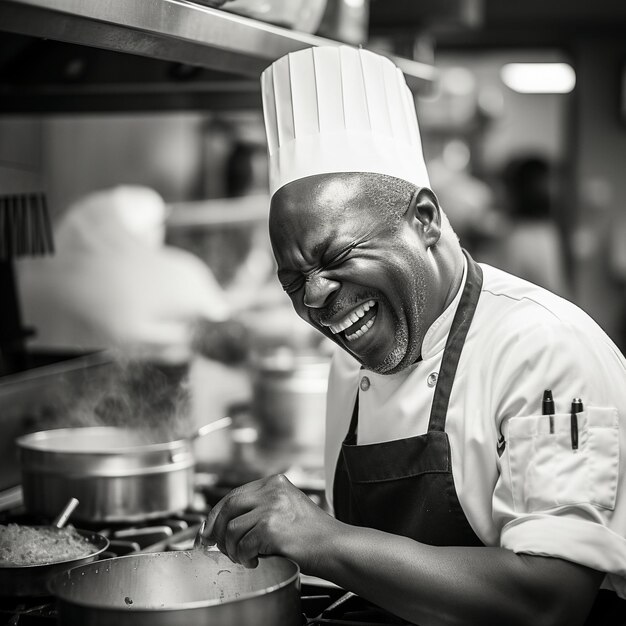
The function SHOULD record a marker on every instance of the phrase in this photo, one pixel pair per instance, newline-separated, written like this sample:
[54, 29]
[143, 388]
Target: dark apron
[406, 487]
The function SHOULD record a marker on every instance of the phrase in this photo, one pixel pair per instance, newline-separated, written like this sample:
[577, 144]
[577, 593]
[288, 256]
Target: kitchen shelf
[173, 30]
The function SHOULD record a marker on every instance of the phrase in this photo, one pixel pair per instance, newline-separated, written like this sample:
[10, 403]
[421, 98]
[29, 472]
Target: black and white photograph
[312, 313]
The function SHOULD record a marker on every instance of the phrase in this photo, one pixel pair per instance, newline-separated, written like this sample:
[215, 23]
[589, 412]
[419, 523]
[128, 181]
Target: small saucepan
[32, 580]
[186, 588]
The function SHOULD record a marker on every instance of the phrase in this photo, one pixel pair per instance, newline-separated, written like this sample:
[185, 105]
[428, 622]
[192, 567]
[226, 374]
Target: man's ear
[424, 213]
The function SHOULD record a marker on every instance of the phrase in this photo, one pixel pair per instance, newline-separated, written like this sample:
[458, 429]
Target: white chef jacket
[541, 496]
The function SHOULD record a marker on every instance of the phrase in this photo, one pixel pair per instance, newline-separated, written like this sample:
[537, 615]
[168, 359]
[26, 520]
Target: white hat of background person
[123, 218]
[339, 109]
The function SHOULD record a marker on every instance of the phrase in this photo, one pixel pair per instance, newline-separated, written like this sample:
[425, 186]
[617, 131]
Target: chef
[114, 284]
[458, 495]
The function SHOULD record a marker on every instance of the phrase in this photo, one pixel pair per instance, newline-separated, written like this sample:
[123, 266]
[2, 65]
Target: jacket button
[365, 383]
[431, 381]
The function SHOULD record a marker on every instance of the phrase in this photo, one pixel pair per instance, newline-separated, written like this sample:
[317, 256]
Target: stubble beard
[392, 363]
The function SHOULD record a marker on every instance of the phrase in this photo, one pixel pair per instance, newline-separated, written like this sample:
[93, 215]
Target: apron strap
[454, 344]
[351, 435]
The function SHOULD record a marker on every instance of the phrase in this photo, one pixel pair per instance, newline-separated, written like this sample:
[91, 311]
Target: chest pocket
[545, 470]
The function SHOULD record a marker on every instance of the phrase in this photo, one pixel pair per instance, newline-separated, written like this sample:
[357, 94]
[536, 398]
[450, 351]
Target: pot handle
[225, 422]
[61, 519]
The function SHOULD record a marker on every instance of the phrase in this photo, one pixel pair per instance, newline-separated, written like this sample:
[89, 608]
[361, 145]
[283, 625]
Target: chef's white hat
[339, 109]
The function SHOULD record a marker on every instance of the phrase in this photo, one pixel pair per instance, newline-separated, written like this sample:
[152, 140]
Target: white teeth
[351, 318]
[361, 331]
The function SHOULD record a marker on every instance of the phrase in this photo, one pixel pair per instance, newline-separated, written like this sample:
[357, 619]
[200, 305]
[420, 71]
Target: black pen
[547, 407]
[577, 407]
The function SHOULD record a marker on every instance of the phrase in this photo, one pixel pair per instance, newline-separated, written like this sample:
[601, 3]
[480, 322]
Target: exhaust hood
[74, 55]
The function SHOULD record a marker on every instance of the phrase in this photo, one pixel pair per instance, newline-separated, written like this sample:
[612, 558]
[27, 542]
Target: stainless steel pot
[114, 474]
[31, 580]
[190, 588]
[289, 399]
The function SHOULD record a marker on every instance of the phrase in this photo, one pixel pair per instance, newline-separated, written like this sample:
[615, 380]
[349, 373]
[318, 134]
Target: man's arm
[425, 584]
[457, 585]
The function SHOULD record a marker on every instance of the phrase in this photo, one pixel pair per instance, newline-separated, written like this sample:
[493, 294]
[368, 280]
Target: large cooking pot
[289, 399]
[31, 580]
[190, 588]
[112, 471]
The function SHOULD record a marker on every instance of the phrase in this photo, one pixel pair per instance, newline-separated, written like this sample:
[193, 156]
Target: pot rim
[35, 442]
[54, 583]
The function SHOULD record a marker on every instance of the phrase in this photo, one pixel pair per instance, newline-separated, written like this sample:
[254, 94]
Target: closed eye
[294, 286]
[340, 258]
[291, 284]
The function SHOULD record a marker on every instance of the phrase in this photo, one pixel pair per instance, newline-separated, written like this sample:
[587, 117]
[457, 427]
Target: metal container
[31, 580]
[113, 473]
[190, 588]
[289, 399]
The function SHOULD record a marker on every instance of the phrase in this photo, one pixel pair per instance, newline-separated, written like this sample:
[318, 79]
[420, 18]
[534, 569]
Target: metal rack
[172, 30]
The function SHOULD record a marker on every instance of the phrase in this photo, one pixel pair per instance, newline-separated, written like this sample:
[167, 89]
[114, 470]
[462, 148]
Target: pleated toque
[339, 109]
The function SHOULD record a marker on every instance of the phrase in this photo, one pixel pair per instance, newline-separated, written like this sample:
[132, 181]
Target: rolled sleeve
[586, 542]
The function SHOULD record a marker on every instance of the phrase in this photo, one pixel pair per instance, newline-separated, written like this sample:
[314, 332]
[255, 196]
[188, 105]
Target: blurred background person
[114, 284]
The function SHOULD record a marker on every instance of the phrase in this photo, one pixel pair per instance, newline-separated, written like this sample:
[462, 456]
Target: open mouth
[357, 323]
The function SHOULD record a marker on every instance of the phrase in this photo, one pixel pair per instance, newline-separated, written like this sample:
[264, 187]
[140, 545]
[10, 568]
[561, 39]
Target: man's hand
[269, 517]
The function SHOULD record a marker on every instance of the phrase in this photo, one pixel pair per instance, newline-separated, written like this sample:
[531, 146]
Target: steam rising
[153, 399]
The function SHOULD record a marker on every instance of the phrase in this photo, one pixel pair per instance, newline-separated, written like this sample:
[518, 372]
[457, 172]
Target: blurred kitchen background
[140, 125]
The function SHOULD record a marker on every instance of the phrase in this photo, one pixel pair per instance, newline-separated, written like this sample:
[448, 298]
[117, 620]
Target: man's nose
[318, 289]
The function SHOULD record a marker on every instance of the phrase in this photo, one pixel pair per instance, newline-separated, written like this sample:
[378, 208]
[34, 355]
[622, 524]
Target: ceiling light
[539, 77]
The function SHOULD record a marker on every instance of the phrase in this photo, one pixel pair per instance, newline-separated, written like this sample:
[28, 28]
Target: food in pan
[28, 545]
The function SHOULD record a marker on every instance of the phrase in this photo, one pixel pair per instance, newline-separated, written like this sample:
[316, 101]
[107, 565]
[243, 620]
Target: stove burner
[349, 610]
[27, 611]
